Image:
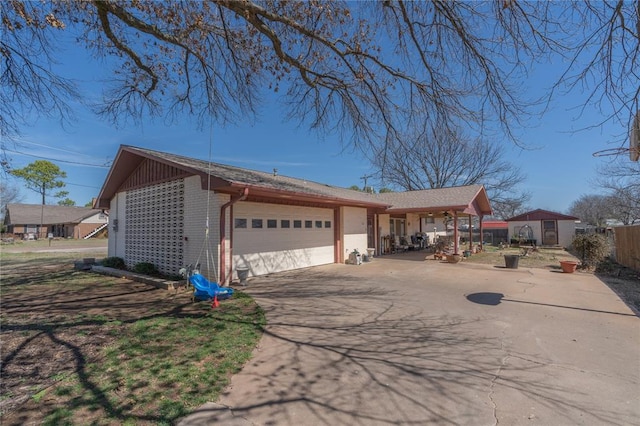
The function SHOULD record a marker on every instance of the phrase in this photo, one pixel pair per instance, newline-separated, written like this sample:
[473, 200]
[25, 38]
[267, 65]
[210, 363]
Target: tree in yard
[437, 157]
[8, 194]
[621, 179]
[592, 209]
[65, 200]
[42, 177]
[364, 68]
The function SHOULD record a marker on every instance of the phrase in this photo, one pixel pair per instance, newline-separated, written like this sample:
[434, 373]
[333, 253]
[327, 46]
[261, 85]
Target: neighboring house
[548, 228]
[24, 220]
[159, 204]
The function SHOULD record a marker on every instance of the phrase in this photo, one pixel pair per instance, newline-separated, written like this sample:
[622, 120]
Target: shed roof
[30, 214]
[540, 214]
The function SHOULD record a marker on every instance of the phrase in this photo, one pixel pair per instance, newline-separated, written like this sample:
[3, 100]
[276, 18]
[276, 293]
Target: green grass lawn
[109, 351]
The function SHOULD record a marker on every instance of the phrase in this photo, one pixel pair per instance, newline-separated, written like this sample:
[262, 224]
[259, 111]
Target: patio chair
[399, 245]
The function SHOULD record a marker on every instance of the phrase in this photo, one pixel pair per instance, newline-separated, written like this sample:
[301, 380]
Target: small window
[285, 223]
[308, 223]
[240, 223]
[327, 224]
[256, 223]
[272, 223]
[297, 224]
[318, 224]
[430, 219]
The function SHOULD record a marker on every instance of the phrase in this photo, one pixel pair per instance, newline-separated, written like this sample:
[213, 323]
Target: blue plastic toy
[204, 289]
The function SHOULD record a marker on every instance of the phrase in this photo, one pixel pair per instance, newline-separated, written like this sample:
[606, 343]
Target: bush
[114, 262]
[591, 249]
[145, 268]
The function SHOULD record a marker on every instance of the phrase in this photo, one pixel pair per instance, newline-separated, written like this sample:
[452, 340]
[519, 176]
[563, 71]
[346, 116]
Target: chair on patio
[398, 244]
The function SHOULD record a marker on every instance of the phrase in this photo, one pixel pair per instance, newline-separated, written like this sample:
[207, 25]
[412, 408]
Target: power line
[60, 161]
[85, 186]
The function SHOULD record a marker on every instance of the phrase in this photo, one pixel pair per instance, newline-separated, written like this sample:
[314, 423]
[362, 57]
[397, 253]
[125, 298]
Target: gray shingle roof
[241, 176]
[433, 198]
[270, 185]
[29, 214]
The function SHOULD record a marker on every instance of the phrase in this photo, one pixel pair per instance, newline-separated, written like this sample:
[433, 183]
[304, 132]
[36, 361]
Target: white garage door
[272, 238]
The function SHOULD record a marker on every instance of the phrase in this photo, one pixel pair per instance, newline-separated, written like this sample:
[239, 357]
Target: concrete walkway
[401, 340]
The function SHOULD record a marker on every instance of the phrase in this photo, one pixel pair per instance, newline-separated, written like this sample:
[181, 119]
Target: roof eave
[279, 194]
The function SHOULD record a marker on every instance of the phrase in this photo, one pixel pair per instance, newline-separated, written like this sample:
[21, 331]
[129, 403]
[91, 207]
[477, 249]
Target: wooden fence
[627, 246]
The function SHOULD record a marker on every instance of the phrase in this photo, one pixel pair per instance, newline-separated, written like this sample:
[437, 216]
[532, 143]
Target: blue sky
[557, 160]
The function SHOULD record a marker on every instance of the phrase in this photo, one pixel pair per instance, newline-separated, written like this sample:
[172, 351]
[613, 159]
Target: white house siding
[117, 228]
[275, 247]
[566, 232]
[413, 224]
[354, 227]
[535, 225]
[154, 223]
[195, 221]
[98, 219]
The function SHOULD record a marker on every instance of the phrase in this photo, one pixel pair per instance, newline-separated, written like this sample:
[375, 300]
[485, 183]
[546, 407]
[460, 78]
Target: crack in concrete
[496, 376]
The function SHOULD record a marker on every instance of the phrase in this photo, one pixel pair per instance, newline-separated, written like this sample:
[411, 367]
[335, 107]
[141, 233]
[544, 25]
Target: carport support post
[470, 235]
[481, 232]
[456, 247]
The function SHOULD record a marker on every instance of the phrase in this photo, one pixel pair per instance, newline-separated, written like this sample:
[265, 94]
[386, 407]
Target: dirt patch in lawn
[56, 321]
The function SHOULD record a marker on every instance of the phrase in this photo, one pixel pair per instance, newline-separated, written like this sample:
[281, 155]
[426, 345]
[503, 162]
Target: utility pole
[365, 177]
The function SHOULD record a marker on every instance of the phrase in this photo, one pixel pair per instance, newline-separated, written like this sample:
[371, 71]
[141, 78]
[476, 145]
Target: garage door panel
[284, 260]
[266, 250]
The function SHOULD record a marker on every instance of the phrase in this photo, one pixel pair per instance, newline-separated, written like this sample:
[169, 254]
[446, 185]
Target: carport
[438, 204]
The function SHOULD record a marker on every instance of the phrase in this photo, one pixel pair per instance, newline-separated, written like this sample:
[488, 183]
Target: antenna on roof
[275, 172]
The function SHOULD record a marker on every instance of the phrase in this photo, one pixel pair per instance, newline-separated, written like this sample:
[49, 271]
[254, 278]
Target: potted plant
[568, 266]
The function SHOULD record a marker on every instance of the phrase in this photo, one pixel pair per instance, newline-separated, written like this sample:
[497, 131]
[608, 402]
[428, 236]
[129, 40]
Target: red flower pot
[568, 266]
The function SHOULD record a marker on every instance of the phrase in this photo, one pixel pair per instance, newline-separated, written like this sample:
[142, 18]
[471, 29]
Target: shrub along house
[159, 204]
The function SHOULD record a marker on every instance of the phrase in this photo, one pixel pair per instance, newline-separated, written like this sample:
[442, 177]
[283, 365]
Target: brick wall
[195, 247]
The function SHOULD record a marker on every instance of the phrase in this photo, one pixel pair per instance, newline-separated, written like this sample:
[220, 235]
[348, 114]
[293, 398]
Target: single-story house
[24, 220]
[175, 211]
[545, 227]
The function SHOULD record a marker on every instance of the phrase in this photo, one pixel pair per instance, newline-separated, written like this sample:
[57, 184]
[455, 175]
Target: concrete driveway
[401, 340]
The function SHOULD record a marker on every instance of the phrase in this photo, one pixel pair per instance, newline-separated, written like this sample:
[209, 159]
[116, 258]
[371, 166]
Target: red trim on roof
[540, 214]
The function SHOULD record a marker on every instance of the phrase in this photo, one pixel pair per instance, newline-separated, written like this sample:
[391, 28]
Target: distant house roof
[540, 214]
[30, 214]
[495, 224]
[270, 186]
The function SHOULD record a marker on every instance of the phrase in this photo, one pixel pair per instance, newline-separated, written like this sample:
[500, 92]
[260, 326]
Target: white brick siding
[354, 226]
[195, 222]
[117, 228]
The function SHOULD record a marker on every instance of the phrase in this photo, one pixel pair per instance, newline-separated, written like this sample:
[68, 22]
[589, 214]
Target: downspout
[223, 261]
